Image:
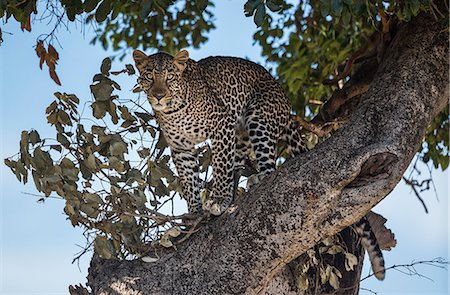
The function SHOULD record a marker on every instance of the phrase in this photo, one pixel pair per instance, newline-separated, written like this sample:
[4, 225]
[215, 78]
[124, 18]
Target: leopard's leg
[223, 160]
[293, 138]
[186, 162]
[263, 138]
[245, 164]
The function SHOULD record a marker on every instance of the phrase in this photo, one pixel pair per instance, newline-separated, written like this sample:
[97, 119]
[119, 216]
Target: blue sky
[38, 243]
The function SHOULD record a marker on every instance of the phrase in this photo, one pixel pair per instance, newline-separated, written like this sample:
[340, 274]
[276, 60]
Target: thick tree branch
[313, 196]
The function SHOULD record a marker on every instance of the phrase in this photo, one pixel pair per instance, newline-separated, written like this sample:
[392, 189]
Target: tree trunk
[247, 250]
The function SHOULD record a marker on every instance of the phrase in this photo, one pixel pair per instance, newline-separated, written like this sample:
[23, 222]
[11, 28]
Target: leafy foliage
[315, 262]
[115, 177]
[436, 146]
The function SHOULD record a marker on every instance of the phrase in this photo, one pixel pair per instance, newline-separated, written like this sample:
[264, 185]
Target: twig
[192, 231]
[413, 186]
[369, 290]
[411, 270]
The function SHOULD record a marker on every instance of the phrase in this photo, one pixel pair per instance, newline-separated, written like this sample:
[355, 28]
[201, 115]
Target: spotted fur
[233, 102]
[370, 243]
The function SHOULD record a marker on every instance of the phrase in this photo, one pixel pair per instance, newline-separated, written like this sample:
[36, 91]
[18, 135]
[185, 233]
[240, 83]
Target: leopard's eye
[170, 76]
[148, 77]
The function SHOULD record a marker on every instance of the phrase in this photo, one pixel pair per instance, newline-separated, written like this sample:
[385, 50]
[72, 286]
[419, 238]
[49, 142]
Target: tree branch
[315, 195]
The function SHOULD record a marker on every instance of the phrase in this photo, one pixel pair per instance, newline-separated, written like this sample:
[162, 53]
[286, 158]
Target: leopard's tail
[370, 243]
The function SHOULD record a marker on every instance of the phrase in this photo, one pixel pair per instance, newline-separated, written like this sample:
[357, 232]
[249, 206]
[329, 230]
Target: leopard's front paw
[216, 206]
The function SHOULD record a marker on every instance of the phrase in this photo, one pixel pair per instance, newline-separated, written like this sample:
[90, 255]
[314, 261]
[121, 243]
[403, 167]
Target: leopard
[237, 105]
[233, 102]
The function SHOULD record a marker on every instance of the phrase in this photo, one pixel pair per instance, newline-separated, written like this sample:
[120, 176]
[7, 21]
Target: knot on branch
[375, 168]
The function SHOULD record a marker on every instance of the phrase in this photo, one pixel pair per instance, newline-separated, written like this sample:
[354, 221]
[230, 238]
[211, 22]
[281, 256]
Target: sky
[37, 243]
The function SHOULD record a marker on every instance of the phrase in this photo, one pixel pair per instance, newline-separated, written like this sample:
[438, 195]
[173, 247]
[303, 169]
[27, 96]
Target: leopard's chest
[184, 130]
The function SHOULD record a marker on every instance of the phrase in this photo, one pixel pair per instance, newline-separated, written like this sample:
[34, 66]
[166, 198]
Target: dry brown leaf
[51, 59]
[41, 52]
[385, 237]
[27, 25]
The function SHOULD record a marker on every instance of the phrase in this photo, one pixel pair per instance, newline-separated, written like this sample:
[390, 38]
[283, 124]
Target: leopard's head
[161, 78]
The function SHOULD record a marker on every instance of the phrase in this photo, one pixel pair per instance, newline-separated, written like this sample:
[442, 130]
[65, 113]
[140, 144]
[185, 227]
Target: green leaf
[260, 14]
[202, 4]
[90, 5]
[103, 10]
[273, 6]
[250, 6]
[336, 7]
[146, 8]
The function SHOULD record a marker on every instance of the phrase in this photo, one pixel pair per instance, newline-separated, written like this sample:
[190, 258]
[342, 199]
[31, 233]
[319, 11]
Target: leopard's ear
[139, 57]
[180, 60]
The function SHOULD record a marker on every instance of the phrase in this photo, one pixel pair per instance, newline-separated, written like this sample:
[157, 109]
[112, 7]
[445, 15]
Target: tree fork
[313, 196]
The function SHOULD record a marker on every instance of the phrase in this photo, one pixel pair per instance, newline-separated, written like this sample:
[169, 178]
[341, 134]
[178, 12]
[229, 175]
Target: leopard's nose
[159, 94]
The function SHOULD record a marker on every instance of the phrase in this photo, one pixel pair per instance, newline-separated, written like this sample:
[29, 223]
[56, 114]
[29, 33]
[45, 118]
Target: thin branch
[413, 185]
[410, 269]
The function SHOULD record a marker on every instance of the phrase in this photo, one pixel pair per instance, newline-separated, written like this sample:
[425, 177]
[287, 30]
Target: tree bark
[313, 196]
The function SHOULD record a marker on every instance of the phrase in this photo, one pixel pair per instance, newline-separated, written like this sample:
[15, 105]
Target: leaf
[34, 137]
[335, 249]
[51, 59]
[103, 10]
[149, 259]
[104, 247]
[350, 261]
[144, 153]
[130, 69]
[26, 25]
[126, 115]
[385, 237]
[62, 139]
[336, 7]
[144, 116]
[117, 148]
[106, 66]
[273, 6]
[250, 6]
[102, 91]
[302, 282]
[146, 8]
[90, 5]
[260, 14]
[202, 4]
[174, 232]
[91, 163]
[41, 52]
[98, 109]
[334, 281]
[165, 241]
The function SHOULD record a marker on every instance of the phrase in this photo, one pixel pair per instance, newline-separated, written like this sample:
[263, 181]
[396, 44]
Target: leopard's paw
[215, 209]
[215, 206]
